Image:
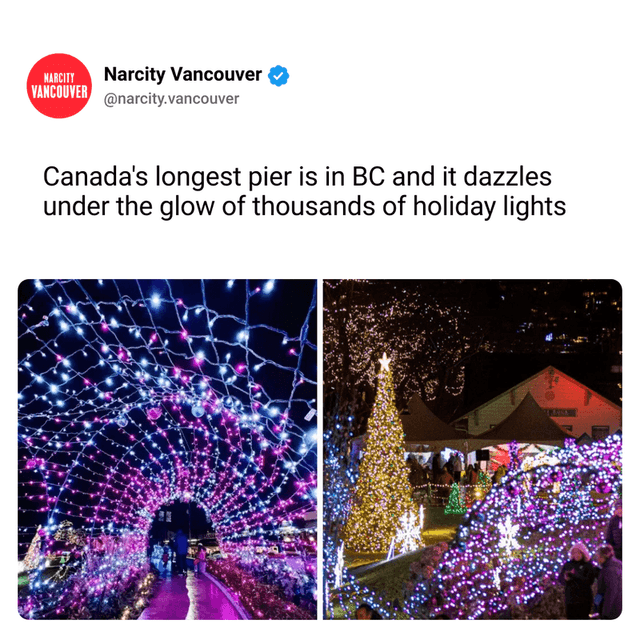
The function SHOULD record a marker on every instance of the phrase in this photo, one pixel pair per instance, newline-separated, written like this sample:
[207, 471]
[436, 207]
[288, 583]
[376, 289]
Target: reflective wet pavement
[194, 597]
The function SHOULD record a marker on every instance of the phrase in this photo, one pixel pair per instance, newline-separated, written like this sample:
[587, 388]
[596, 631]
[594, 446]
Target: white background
[548, 85]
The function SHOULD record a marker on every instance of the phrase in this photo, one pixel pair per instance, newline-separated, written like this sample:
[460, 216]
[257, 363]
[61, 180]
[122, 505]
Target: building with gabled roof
[570, 404]
[527, 423]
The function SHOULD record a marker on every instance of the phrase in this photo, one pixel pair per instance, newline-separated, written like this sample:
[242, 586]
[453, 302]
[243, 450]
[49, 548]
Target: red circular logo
[59, 85]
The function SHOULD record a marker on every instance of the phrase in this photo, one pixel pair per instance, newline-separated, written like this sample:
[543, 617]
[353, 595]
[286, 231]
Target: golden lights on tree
[383, 492]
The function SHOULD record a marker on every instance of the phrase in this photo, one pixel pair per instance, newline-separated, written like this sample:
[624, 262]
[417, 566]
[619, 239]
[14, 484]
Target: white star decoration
[384, 361]
[508, 532]
[408, 534]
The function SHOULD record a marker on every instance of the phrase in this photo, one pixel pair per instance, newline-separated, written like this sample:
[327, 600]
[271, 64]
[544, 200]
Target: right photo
[472, 449]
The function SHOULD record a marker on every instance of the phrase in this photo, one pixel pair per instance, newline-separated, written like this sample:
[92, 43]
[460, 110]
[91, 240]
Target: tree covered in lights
[432, 338]
[454, 506]
[383, 492]
[339, 470]
[484, 483]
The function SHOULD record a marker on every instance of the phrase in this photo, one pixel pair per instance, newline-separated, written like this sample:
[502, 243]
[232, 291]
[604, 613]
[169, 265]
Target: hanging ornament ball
[122, 421]
[197, 411]
[154, 413]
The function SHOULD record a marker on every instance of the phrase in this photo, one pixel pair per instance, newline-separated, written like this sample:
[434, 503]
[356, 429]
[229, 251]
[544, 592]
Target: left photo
[167, 449]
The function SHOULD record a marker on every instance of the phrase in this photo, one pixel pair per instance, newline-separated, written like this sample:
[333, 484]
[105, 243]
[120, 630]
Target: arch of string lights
[134, 394]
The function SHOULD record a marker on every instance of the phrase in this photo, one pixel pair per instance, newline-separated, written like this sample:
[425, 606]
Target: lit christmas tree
[383, 492]
[484, 482]
[454, 506]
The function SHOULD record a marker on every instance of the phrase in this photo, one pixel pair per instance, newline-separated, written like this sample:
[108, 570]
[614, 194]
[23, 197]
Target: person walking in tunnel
[182, 546]
[165, 557]
[200, 561]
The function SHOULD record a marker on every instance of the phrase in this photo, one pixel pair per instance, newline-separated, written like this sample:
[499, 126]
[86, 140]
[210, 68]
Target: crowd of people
[438, 472]
[435, 471]
[437, 477]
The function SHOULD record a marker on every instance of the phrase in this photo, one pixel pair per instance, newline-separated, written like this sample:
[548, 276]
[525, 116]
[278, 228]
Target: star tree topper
[384, 361]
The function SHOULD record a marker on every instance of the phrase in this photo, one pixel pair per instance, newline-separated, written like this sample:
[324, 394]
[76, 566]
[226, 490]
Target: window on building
[567, 427]
[561, 413]
[599, 433]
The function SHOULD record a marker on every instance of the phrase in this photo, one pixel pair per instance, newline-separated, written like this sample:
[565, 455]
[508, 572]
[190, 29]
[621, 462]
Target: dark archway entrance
[186, 516]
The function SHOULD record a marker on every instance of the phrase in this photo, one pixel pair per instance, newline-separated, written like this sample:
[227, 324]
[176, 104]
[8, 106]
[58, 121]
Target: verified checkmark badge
[278, 75]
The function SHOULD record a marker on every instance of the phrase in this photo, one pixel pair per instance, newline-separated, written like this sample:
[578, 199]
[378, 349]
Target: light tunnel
[136, 394]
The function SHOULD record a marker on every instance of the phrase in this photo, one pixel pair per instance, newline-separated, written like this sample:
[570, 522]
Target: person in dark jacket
[614, 531]
[182, 546]
[577, 575]
[609, 597]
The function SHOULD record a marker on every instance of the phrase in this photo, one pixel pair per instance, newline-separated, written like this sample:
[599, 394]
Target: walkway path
[196, 597]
